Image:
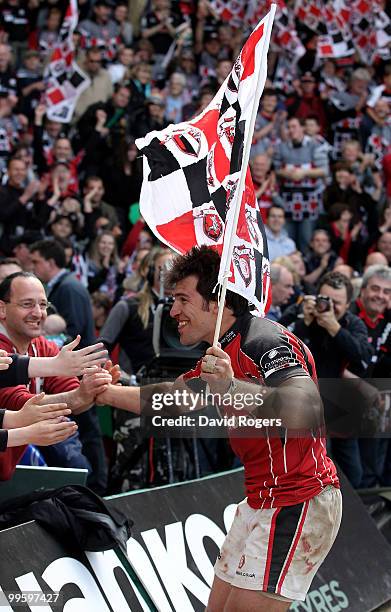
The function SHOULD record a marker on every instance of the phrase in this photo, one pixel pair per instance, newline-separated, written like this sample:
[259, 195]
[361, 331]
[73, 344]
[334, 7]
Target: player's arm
[131, 399]
[125, 398]
[296, 400]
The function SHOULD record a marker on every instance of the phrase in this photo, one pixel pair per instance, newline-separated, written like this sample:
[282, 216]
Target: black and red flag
[192, 170]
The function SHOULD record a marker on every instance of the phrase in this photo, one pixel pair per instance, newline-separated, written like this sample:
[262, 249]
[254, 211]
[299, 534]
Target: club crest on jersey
[213, 226]
[242, 259]
[242, 561]
[188, 141]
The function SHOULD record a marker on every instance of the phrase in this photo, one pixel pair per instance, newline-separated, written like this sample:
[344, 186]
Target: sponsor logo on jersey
[278, 358]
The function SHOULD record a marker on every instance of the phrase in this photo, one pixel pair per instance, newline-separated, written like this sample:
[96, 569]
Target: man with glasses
[23, 310]
[72, 301]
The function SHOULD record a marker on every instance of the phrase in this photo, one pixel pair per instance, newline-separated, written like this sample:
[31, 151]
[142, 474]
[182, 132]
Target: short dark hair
[278, 206]
[342, 166]
[50, 249]
[337, 280]
[299, 119]
[119, 86]
[94, 49]
[204, 263]
[89, 180]
[269, 91]
[313, 118]
[12, 159]
[5, 285]
[337, 209]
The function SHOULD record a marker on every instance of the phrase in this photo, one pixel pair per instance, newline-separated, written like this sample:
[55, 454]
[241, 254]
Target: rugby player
[288, 522]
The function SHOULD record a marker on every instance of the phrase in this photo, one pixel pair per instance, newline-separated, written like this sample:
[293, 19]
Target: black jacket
[17, 374]
[75, 515]
[14, 215]
[348, 349]
[124, 326]
[72, 302]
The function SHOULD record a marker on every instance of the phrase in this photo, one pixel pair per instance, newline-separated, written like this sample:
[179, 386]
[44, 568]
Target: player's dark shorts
[279, 550]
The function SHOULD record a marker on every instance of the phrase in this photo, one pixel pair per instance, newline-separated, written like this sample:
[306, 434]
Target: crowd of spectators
[69, 193]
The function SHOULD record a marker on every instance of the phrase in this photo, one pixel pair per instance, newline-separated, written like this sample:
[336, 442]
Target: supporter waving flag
[192, 171]
[65, 80]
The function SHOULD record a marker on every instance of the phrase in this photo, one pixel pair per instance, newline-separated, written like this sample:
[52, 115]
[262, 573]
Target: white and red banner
[192, 170]
[65, 80]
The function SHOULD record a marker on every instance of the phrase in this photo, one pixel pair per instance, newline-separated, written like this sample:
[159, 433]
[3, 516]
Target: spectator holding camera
[338, 340]
[335, 336]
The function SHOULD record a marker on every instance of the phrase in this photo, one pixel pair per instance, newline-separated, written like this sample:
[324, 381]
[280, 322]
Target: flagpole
[240, 190]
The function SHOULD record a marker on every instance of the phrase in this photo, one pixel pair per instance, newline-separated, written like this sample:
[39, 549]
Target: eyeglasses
[31, 304]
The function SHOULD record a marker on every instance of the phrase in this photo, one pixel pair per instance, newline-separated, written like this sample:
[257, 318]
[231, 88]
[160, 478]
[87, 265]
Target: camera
[172, 358]
[322, 303]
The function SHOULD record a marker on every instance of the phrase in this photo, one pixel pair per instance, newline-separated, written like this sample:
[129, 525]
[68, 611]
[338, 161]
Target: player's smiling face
[196, 319]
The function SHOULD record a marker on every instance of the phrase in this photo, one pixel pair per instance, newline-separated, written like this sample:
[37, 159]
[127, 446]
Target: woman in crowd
[105, 269]
[130, 325]
[130, 322]
[344, 235]
[122, 180]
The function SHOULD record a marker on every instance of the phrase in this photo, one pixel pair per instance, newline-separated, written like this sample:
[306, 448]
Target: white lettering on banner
[28, 582]
[103, 565]
[198, 527]
[229, 515]
[171, 564]
[143, 567]
[167, 582]
[328, 598]
[67, 570]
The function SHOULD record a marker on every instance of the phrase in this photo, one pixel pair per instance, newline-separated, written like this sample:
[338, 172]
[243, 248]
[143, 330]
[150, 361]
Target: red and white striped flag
[192, 170]
[65, 80]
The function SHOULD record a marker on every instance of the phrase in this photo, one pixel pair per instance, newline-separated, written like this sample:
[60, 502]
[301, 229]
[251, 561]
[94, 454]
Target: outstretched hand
[50, 431]
[74, 363]
[34, 411]
[95, 382]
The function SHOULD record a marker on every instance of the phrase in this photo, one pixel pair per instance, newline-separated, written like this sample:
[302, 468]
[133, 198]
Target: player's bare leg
[226, 598]
[244, 600]
[218, 595]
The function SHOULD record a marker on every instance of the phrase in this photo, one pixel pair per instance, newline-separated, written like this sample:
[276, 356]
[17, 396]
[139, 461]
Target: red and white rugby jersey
[280, 470]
